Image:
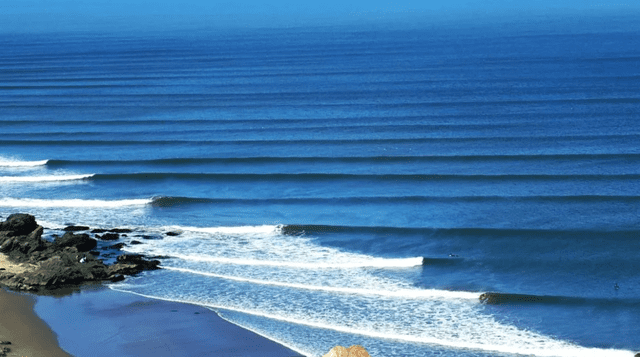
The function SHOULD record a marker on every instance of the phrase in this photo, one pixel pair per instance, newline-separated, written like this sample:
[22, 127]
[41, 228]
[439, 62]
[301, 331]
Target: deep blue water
[310, 171]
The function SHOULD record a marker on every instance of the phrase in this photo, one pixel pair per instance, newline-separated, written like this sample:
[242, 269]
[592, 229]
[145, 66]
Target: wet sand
[29, 335]
[97, 321]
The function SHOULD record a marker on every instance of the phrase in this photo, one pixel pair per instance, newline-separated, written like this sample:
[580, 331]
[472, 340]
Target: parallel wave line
[400, 293]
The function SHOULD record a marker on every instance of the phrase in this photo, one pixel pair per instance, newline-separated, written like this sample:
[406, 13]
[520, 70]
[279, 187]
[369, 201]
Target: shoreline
[54, 302]
[76, 321]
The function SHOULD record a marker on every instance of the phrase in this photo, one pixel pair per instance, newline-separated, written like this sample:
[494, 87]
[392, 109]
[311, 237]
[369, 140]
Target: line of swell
[474, 233]
[184, 201]
[326, 159]
[18, 163]
[334, 176]
[364, 263]
[492, 298]
[400, 293]
[57, 178]
[426, 119]
[33, 202]
[315, 141]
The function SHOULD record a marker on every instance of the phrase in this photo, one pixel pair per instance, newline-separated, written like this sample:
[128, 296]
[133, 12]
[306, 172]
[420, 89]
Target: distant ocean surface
[350, 186]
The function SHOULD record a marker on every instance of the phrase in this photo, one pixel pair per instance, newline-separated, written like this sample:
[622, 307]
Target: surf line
[51, 178]
[364, 263]
[400, 293]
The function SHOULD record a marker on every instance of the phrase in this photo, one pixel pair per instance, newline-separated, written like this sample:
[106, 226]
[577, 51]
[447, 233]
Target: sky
[87, 15]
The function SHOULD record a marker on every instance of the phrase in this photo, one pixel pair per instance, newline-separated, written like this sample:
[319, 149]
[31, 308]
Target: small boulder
[120, 230]
[353, 351]
[76, 228]
[172, 234]
[109, 236]
[338, 351]
[115, 246]
[133, 242]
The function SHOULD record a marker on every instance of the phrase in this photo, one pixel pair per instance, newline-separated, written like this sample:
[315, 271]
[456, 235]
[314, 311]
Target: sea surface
[349, 185]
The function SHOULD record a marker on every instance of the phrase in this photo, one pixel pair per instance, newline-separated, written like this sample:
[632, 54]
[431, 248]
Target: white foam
[33, 202]
[49, 178]
[264, 229]
[18, 163]
[330, 264]
[400, 293]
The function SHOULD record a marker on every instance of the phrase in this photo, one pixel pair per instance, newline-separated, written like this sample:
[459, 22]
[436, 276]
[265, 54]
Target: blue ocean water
[350, 185]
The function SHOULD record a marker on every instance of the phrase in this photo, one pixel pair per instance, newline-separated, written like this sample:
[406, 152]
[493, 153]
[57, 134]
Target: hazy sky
[64, 15]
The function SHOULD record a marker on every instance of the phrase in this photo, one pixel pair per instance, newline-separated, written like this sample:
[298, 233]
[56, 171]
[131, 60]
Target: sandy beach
[28, 334]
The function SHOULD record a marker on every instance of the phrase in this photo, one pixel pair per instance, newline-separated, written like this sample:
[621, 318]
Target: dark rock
[82, 242]
[98, 230]
[18, 224]
[120, 230]
[109, 236]
[128, 264]
[20, 247]
[115, 246]
[63, 262]
[150, 237]
[172, 234]
[76, 228]
[116, 278]
[135, 242]
[5, 343]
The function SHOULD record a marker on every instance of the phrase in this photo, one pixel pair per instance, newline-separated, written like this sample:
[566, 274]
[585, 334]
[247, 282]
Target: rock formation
[353, 351]
[36, 264]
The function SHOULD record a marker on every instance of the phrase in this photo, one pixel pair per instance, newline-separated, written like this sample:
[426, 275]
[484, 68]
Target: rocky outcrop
[353, 351]
[39, 264]
[82, 242]
[18, 224]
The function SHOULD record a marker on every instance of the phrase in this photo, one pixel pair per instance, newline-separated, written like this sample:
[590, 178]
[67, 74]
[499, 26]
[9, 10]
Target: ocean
[350, 185]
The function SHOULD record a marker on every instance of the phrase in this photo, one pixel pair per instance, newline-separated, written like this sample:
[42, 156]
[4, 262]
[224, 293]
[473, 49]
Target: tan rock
[338, 351]
[353, 351]
[358, 351]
